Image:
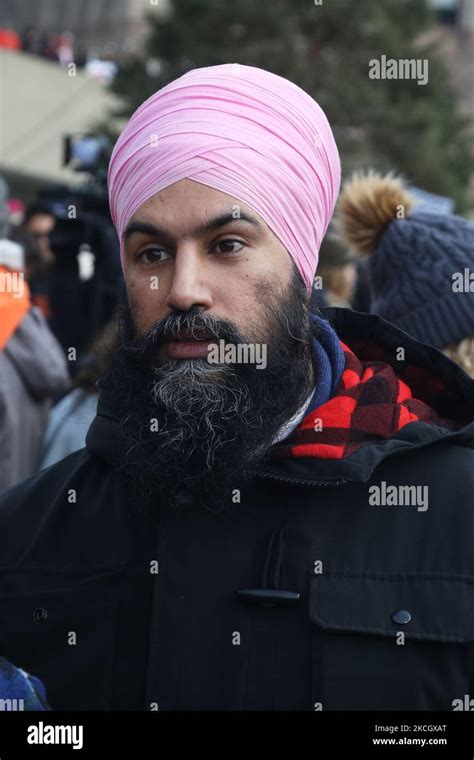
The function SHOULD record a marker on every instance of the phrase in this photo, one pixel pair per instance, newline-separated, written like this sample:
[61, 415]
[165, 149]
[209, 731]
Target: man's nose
[190, 282]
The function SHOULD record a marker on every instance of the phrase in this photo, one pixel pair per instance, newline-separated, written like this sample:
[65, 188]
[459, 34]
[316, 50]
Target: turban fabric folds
[244, 131]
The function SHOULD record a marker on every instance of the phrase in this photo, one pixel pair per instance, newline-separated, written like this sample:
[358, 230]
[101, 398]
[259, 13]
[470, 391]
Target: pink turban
[242, 130]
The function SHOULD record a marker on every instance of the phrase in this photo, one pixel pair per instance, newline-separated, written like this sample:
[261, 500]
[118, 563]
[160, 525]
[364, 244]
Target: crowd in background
[60, 48]
[55, 311]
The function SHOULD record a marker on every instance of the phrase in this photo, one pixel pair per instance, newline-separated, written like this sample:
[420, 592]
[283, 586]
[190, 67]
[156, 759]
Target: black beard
[195, 429]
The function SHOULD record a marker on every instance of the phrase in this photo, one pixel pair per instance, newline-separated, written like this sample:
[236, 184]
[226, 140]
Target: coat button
[402, 617]
[39, 615]
[182, 499]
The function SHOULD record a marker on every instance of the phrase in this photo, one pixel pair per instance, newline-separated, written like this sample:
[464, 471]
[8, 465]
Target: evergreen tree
[325, 48]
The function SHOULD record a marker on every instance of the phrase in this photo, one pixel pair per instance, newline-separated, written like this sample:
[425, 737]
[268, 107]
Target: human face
[192, 246]
[41, 227]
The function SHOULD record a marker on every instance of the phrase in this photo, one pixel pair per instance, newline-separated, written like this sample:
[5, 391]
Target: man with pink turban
[255, 521]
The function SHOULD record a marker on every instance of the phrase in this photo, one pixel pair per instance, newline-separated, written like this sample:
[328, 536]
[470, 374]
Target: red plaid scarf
[371, 404]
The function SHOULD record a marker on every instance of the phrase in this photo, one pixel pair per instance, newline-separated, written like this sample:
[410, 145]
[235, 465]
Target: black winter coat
[363, 607]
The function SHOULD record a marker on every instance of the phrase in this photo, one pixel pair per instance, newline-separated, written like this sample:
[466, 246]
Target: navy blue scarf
[328, 362]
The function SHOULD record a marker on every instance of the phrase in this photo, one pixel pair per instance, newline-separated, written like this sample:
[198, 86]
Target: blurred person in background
[420, 264]
[9, 39]
[337, 272]
[70, 418]
[65, 48]
[32, 365]
[48, 45]
[37, 269]
[31, 40]
[35, 236]
[39, 221]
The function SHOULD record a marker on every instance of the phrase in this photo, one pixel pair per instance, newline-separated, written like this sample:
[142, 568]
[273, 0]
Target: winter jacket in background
[68, 424]
[33, 370]
[19, 690]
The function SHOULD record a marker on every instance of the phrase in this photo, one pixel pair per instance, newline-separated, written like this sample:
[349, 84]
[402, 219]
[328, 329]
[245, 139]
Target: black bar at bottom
[322, 735]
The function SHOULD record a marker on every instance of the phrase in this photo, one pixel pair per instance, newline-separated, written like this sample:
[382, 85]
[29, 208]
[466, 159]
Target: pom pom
[367, 204]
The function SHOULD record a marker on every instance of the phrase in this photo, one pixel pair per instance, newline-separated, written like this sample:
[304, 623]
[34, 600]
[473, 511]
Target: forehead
[41, 217]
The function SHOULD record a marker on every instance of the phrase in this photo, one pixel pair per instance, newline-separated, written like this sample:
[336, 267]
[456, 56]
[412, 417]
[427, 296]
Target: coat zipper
[298, 481]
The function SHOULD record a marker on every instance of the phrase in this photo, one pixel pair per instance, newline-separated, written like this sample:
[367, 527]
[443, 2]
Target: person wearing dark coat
[273, 509]
[33, 368]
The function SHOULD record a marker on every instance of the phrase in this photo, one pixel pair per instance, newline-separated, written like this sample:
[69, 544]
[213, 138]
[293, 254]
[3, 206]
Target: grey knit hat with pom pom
[421, 264]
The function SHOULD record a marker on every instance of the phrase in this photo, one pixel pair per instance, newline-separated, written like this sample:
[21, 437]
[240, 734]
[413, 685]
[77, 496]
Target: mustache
[198, 324]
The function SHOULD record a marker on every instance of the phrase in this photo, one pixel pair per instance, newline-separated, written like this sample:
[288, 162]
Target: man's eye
[227, 246]
[153, 255]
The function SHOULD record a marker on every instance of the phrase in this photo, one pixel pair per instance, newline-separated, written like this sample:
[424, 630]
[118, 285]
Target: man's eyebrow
[218, 221]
